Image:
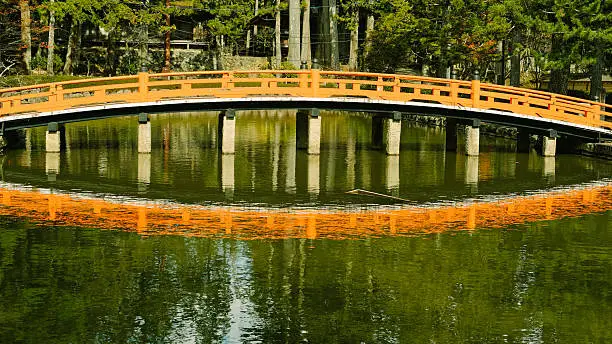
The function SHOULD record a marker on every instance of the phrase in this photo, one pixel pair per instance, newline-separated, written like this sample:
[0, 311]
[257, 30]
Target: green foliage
[39, 62]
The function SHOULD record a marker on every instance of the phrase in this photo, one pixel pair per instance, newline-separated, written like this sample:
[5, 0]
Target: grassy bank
[26, 80]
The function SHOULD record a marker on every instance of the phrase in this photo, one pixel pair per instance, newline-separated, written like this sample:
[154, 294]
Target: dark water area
[545, 281]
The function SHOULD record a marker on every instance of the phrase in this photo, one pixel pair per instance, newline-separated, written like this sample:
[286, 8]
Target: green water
[543, 282]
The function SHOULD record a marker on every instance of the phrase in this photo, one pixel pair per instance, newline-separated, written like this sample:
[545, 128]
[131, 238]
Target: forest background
[541, 44]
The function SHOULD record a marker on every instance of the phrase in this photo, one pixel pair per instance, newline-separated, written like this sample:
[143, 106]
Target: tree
[294, 33]
[333, 35]
[277, 36]
[51, 41]
[26, 35]
[306, 49]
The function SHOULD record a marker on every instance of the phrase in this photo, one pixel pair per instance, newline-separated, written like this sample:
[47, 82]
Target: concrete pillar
[386, 133]
[392, 132]
[472, 138]
[144, 133]
[53, 138]
[227, 175]
[308, 131]
[549, 143]
[451, 135]
[227, 131]
[392, 177]
[523, 141]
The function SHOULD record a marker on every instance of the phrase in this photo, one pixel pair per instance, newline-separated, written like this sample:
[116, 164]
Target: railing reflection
[257, 223]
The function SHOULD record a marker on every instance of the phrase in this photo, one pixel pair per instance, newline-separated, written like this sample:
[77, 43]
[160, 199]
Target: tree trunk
[294, 33]
[369, 31]
[499, 68]
[306, 51]
[26, 35]
[71, 52]
[51, 42]
[354, 48]
[515, 60]
[322, 48]
[111, 54]
[277, 37]
[167, 41]
[559, 76]
[144, 45]
[596, 74]
[333, 35]
[256, 13]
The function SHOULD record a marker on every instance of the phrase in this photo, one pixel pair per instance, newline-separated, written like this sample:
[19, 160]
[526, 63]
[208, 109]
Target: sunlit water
[545, 279]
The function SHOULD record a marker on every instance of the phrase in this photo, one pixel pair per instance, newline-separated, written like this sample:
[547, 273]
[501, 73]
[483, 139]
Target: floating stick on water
[375, 194]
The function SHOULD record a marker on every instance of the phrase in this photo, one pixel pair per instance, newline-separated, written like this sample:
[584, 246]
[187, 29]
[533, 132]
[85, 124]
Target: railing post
[380, 88]
[476, 90]
[303, 80]
[143, 88]
[552, 107]
[59, 93]
[227, 80]
[454, 92]
[396, 86]
[595, 111]
[52, 95]
[316, 77]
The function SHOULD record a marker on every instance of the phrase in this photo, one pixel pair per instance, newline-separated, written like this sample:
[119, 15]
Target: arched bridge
[388, 95]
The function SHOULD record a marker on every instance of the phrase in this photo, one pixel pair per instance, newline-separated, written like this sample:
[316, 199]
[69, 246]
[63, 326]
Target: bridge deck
[384, 92]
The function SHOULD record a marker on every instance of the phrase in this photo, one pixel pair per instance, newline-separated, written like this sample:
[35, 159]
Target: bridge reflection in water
[157, 218]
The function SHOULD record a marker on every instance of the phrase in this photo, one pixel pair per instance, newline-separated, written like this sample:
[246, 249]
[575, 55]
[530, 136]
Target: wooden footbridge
[387, 95]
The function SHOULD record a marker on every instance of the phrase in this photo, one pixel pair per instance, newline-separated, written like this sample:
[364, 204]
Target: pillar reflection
[313, 178]
[392, 175]
[227, 175]
[450, 167]
[290, 186]
[144, 171]
[471, 172]
[350, 161]
[549, 168]
[52, 165]
[276, 156]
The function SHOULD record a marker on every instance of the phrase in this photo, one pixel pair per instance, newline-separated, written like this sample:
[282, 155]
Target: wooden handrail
[146, 87]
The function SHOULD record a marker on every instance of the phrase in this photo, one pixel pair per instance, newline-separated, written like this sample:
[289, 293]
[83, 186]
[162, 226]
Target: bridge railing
[146, 87]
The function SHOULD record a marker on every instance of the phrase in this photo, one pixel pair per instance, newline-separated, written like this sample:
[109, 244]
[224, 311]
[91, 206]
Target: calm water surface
[538, 282]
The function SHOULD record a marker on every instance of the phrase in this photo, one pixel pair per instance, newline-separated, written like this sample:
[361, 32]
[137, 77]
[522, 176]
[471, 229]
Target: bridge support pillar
[144, 133]
[472, 138]
[53, 137]
[523, 141]
[387, 132]
[549, 143]
[227, 131]
[308, 131]
[451, 135]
